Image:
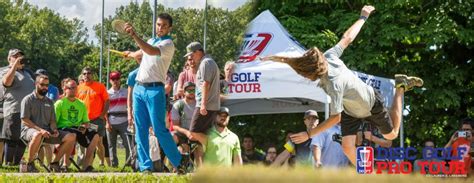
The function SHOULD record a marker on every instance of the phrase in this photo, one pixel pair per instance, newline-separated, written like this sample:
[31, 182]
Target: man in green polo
[221, 146]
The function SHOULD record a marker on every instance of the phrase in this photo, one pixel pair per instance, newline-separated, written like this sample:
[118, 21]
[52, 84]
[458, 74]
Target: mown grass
[96, 165]
[245, 174]
[305, 174]
[132, 177]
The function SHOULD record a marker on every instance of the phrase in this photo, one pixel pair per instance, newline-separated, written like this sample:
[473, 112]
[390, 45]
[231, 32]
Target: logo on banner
[449, 162]
[253, 45]
[245, 82]
[365, 160]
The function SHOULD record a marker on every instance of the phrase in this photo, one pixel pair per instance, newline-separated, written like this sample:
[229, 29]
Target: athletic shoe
[30, 167]
[64, 169]
[54, 167]
[89, 169]
[407, 82]
[148, 172]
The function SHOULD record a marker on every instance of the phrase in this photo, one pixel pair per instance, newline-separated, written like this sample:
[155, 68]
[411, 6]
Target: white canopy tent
[268, 87]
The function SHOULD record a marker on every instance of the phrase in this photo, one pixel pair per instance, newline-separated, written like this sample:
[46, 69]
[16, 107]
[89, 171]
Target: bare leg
[33, 146]
[198, 155]
[90, 152]
[66, 147]
[349, 148]
[48, 153]
[395, 114]
[101, 151]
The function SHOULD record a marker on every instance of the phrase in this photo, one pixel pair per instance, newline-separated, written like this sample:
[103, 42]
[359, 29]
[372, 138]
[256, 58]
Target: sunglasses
[44, 85]
[191, 90]
[115, 79]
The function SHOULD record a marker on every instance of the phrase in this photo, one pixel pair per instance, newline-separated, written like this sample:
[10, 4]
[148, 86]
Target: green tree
[225, 30]
[49, 40]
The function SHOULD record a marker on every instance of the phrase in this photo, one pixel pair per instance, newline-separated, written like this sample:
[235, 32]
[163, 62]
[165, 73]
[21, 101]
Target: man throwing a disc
[149, 94]
[352, 99]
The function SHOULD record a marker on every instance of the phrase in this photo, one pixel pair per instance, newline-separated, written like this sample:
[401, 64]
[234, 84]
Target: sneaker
[407, 82]
[181, 170]
[148, 172]
[89, 169]
[64, 169]
[54, 167]
[30, 167]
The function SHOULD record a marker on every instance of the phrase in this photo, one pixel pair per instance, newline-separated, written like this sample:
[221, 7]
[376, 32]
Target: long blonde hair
[311, 65]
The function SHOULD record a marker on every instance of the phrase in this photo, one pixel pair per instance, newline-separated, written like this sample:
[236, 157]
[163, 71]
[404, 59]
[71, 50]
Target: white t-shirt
[153, 68]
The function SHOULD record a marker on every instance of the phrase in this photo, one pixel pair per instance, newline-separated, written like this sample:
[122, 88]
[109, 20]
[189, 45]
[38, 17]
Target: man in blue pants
[149, 102]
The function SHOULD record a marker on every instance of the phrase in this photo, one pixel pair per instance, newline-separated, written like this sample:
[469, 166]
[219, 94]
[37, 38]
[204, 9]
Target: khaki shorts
[27, 135]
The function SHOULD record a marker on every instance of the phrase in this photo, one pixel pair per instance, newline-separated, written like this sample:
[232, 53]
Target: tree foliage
[225, 32]
[50, 41]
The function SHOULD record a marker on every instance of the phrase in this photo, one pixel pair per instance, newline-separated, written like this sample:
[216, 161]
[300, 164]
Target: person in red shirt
[462, 139]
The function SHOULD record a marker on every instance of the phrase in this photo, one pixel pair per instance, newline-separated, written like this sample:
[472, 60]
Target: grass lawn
[120, 154]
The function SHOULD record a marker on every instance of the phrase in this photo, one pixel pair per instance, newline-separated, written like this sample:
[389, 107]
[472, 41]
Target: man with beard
[39, 125]
[221, 146]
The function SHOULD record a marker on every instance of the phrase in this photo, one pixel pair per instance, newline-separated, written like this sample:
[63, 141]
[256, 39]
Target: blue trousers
[149, 108]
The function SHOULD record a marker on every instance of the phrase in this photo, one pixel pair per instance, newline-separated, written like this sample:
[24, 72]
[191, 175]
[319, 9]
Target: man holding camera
[72, 116]
[17, 82]
[462, 139]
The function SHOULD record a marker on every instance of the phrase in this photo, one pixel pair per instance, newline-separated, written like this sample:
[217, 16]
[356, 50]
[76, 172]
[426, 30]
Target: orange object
[93, 94]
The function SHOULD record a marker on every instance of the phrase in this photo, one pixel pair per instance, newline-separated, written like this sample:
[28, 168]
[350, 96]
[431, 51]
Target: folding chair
[36, 156]
[131, 160]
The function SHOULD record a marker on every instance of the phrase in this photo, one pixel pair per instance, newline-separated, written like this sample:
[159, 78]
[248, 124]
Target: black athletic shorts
[83, 139]
[380, 118]
[200, 123]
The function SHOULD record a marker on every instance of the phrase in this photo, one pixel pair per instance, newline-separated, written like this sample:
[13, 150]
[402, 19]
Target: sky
[90, 11]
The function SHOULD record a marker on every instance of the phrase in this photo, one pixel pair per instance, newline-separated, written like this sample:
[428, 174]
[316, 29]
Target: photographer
[17, 82]
[302, 152]
[71, 116]
[327, 150]
[462, 138]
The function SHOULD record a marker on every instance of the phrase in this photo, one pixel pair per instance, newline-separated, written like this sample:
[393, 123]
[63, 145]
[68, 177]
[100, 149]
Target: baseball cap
[14, 51]
[224, 110]
[188, 84]
[192, 47]
[41, 71]
[310, 113]
[114, 75]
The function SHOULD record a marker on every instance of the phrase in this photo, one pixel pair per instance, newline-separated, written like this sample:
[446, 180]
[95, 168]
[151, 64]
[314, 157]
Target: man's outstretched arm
[352, 32]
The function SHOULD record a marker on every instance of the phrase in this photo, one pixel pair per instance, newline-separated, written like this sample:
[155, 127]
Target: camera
[94, 127]
[337, 138]
[464, 134]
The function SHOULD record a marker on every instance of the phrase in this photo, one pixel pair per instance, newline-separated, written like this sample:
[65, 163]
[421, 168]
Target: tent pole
[326, 108]
[402, 140]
